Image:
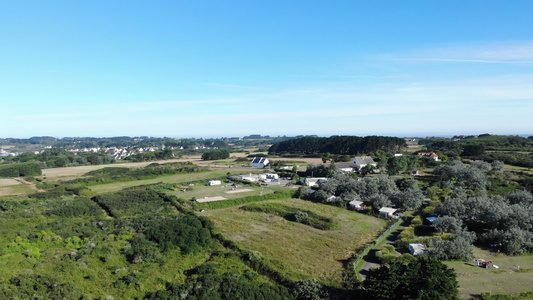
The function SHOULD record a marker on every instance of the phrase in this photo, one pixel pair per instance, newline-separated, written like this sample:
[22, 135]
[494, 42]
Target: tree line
[349, 145]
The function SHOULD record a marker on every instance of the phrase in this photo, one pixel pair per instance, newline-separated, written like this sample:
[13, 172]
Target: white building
[417, 249]
[387, 212]
[259, 162]
[315, 181]
[356, 205]
[363, 161]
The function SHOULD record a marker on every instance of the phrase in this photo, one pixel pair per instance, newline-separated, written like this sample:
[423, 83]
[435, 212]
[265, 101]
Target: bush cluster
[30, 168]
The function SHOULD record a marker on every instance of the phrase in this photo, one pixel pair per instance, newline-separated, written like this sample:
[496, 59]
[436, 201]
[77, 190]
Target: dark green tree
[423, 278]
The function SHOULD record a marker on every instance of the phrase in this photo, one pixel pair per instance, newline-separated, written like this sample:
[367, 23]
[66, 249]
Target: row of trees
[341, 145]
[59, 157]
[216, 154]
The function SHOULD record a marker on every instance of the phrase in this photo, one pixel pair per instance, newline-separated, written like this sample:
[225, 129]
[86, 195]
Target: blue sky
[234, 68]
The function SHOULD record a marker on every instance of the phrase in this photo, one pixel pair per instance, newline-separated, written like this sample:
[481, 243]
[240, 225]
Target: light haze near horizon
[234, 68]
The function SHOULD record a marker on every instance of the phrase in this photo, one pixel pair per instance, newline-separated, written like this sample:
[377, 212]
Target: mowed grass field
[296, 250]
[177, 179]
[508, 279]
[200, 191]
[9, 186]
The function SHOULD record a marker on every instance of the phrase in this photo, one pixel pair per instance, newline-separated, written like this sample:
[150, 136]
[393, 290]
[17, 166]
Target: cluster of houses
[258, 178]
[4, 153]
[124, 152]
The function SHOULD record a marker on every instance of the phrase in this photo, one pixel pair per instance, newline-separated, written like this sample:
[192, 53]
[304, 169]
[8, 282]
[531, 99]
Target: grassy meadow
[514, 274]
[297, 250]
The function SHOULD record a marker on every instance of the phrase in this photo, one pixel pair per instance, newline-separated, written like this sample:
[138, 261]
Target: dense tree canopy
[215, 154]
[424, 278]
[350, 145]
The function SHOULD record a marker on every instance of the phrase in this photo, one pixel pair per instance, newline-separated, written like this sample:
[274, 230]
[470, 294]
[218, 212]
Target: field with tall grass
[297, 250]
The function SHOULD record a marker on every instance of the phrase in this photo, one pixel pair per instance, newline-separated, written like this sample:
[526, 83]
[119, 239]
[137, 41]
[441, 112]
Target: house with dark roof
[259, 162]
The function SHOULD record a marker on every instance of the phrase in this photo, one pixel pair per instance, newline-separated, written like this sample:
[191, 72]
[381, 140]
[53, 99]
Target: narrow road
[371, 261]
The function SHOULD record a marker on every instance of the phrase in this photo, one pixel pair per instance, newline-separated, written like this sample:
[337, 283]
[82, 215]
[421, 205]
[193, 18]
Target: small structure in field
[417, 249]
[356, 205]
[387, 212]
[214, 182]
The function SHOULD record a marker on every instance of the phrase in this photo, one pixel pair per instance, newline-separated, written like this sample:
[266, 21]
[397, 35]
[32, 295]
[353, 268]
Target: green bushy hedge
[30, 168]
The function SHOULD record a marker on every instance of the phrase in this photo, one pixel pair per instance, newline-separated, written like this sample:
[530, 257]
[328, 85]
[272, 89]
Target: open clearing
[200, 191]
[78, 171]
[211, 199]
[508, 279]
[176, 178]
[8, 182]
[239, 191]
[296, 250]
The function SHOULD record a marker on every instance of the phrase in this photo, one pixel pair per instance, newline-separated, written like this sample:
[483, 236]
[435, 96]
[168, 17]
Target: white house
[363, 161]
[214, 182]
[429, 154]
[315, 181]
[356, 205]
[271, 176]
[259, 162]
[387, 212]
[345, 167]
[417, 249]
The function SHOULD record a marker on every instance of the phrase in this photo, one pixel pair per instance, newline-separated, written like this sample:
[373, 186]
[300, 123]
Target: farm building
[417, 249]
[387, 212]
[214, 182]
[363, 161]
[259, 162]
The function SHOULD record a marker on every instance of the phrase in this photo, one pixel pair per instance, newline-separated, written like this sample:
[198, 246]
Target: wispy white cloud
[234, 86]
[506, 52]
[465, 60]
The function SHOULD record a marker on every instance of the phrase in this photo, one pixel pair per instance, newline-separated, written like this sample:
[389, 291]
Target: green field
[508, 279]
[296, 250]
[177, 179]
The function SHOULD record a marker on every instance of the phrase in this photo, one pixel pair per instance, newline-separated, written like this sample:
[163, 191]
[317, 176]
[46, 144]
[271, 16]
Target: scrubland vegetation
[137, 232]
